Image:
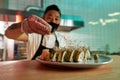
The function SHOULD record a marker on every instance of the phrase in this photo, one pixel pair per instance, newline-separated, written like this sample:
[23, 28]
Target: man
[39, 32]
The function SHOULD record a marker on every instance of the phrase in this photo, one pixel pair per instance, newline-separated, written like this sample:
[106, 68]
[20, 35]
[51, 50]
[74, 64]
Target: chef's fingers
[34, 24]
[33, 18]
[39, 28]
[44, 28]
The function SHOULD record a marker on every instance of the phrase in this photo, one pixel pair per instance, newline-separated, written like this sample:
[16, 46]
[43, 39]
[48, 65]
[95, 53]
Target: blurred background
[100, 19]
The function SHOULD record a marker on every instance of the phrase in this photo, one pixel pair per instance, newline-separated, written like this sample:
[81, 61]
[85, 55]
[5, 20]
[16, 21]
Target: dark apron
[41, 47]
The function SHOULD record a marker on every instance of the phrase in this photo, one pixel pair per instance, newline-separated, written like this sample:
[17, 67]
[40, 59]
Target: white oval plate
[88, 64]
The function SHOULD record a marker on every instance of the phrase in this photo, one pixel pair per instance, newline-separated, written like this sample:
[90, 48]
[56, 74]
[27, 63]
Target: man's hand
[35, 24]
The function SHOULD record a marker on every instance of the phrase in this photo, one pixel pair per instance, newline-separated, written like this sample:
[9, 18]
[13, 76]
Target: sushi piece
[61, 55]
[78, 55]
[69, 55]
[45, 55]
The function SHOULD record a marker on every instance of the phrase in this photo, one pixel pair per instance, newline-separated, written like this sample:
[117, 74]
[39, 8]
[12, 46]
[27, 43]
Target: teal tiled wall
[102, 22]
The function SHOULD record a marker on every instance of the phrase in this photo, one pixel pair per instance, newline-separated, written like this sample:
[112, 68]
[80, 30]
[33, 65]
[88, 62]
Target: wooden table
[34, 70]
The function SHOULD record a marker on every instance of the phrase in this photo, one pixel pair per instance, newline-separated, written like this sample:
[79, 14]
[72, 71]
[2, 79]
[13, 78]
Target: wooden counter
[34, 70]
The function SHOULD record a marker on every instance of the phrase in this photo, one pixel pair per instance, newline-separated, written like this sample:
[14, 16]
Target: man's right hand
[35, 24]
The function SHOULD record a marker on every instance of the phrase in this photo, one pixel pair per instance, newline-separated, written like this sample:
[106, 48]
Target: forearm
[14, 32]
[32, 24]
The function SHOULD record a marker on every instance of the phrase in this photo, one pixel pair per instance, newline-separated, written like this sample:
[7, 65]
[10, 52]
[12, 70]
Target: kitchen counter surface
[34, 70]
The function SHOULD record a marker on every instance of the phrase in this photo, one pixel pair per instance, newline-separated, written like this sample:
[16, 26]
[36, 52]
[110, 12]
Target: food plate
[85, 64]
